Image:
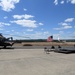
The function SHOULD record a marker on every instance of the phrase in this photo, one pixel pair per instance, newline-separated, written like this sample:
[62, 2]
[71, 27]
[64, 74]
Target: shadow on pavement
[8, 48]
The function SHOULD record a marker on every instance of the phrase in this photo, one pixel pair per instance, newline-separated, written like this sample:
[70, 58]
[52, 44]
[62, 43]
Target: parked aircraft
[4, 42]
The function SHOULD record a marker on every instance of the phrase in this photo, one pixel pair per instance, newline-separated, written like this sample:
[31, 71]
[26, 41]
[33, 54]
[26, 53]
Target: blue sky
[37, 19]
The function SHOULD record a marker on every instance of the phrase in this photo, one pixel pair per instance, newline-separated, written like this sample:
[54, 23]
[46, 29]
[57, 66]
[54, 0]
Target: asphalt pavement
[32, 61]
[41, 47]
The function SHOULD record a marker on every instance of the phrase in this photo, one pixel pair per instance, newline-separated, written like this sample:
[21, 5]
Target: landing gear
[4, 47]
[52, 47]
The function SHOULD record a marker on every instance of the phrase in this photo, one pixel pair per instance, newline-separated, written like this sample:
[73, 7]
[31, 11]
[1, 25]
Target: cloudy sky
[37, 19]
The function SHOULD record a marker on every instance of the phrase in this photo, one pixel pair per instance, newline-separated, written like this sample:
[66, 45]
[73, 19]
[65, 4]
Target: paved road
[38, 47]
[35, 62]
[41, 47]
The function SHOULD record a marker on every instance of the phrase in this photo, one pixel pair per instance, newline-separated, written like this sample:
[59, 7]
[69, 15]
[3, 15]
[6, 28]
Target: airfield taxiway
[34, 61]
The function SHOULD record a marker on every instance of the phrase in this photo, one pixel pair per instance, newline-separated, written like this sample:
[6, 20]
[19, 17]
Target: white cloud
[17, 16]
[40, 23]
[29, 30]
[67, 27]
[27, 35]
[5, 17]
[62, 2]
[46, 32]
[39, 35]
[7, 31]
[12, 30]
[1, 29]
[26, 23]
[25, 9]
[61, 32]
[1, 25]
[23, 16]
[4, 24]
[63, 26]
[68, 1]
[36, 35]
[28, 16]
[7, 5]
[57, 28]
[72, 1]
[42, 29]
[56, 2]
[69, 19]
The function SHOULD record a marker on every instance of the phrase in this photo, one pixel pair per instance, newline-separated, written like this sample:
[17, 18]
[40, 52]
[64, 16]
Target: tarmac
[35, 62]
